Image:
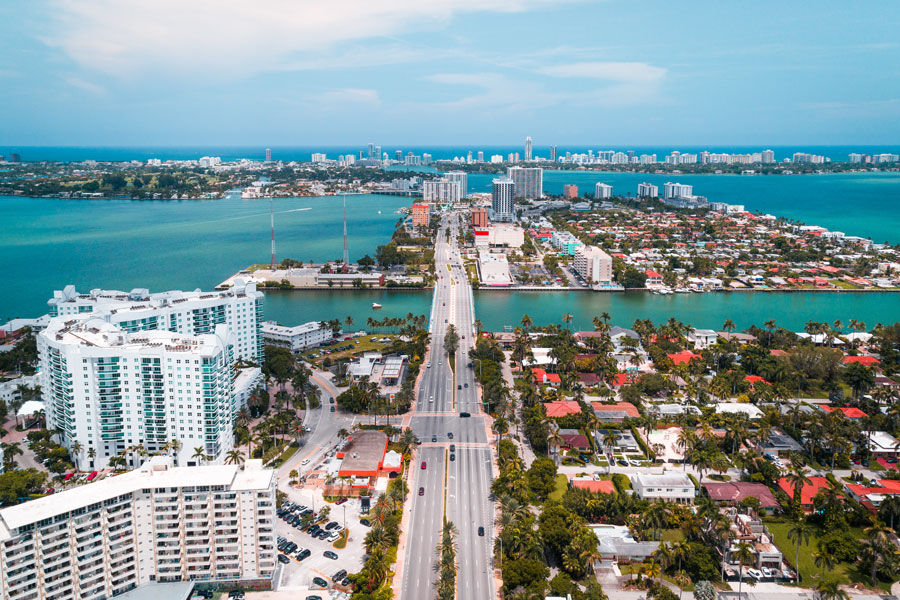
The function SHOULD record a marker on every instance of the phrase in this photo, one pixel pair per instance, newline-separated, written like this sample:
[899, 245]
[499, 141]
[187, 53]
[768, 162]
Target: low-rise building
[671, 487]
[779, 443]
[593, 265]
[733, 492]
[616, 544]
[614, 413]
[883, 445]
[702, 338]
[158, 523]
[298, 337]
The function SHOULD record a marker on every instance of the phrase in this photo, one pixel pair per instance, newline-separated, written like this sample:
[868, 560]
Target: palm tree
[830, 590]
[527, 323]
[199, 455]
[567, 319]
[825, 559]
[799, 533]
[891, 506]
[743, 552]
[234, 457]
[92, 454]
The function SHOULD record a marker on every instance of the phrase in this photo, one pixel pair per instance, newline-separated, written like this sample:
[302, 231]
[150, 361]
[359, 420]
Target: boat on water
[375, 305]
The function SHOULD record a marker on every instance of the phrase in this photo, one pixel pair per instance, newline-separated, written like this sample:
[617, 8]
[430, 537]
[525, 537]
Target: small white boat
[375, 305]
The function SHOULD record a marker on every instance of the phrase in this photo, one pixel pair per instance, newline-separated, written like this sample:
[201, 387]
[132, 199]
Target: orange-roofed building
[808, 492]
[851, 412]
[619, 379]
[866, 361]
[421, 213]
[614, 413]
[561, 408]
[602, 487]
[683, 357]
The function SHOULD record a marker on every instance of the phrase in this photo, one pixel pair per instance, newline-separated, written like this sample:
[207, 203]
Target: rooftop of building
[158, 471]
[138, 296]
[663, 479]
[364, 453]
[94, 332]
[273, 327]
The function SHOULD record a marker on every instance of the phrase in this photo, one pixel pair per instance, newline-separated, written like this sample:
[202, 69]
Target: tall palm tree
[199, 455]
[743, 552]
[567, 319]
[830, 590]
[825, 559]
[527, 323]
[799, 532]
[234, 457]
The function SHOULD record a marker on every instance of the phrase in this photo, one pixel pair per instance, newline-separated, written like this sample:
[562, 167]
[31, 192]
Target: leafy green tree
[542, 477]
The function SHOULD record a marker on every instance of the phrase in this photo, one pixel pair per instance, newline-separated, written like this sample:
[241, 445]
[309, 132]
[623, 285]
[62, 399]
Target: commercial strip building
[298, 337]
[159, 523]
[192, 313]
[593, 265]
[108, 390]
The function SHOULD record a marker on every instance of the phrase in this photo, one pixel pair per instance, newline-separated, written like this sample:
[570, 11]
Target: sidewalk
[525, 450]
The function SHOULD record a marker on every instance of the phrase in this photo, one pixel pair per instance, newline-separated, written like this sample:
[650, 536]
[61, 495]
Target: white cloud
[87, 86]
[236, 36]
[614, 71]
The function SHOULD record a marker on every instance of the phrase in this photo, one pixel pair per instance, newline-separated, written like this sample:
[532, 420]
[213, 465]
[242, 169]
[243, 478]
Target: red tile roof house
[872, 497]
[808, 492]
[561, 408]
[683, 357]
[850, 412]
[653, 278]
[574, 440]
[866, 361]
[542, 377]
[733, 492]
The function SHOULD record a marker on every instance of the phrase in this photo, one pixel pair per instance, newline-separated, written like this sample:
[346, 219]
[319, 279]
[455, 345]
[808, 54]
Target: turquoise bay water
[498, 309]
[864, 204]
[123, 244]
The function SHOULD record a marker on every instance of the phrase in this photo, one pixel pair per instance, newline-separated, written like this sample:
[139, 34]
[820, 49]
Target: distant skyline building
[480, 156]
[552, 153]
[528, 156]
[371, 150]
[529, 182]
[502, 195]
[398, 155]
[268, 155]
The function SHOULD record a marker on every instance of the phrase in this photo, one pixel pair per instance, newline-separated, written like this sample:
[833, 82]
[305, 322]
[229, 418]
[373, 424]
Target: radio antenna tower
[346, 250]
[272, 219]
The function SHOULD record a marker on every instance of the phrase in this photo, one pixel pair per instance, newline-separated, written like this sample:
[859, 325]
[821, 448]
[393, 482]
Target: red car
[424, 464]
[69, 476]
[92, 476]
[421, 491]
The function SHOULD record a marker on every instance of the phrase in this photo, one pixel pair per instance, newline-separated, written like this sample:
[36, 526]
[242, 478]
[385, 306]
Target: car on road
[429, 365]
[466, 384]
[433, 438]
[431, 399]
[331, 400]
[450, 435]
[330, 554]
[481, 531]
[319, 582]
[314, 598]
[238, 594]
[424, 465]
[302, 554]
[305, 461]
[421, 491]
[464, 414]
[452, 457]
[283, 559]
[452, 447]
[332, 409]
[458, 386]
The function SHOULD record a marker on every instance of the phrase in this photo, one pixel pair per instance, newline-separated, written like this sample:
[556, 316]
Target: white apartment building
[602, 190]
[159, 523]
[461, 178]
[593, 264]
[296, 338]
[109, 391]
[648, 190]
[678, 190]
[193, 313]
[529, 182]
[502, 194]
[671, 487]
[441, 192]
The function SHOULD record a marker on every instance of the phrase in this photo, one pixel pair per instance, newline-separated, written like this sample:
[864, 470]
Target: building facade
[669, 487]
[160, 523]
[502, 194]
[479, 217]
[529, 182]
[441, 192]
[678, 190]
[648, 190]
[191, 313]
[461, 178]
[602, 190]
[593, 264]
[528, 151]
[421, 214]
[109, 391]
[299, 337]
[570, 190]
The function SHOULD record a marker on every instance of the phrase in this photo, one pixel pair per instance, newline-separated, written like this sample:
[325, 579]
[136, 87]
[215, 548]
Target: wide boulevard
[453, 470]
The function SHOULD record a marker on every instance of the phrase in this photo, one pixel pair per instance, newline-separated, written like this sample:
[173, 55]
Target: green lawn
[562, 483]
[672, 535]
[365, 345]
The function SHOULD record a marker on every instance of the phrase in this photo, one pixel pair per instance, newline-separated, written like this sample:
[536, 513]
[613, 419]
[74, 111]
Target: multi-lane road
[457, 486]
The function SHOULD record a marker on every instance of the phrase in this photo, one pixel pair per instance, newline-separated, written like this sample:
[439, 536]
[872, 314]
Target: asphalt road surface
[464, 491]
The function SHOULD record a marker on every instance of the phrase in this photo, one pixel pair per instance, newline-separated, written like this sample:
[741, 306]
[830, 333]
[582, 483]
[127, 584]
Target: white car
[431, 399]
[755, 574]
[305, 461]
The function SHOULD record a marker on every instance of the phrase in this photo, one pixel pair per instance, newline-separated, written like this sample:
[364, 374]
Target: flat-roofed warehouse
[364, 454]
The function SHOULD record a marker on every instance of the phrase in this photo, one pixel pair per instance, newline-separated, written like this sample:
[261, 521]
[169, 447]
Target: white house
[702, 338]
[671, 487]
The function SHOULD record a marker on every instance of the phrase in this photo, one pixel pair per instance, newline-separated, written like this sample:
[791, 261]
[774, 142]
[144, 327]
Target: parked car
[283, 559]
[320, 582]
[339, 575]
[330, 554]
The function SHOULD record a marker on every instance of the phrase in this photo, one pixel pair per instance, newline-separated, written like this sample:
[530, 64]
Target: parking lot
[298, 575]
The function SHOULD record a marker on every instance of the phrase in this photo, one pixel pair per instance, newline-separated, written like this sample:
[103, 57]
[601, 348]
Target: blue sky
[303, 72]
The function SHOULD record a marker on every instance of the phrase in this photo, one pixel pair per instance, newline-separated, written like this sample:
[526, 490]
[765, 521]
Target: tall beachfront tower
[502, 193]
[528, 149]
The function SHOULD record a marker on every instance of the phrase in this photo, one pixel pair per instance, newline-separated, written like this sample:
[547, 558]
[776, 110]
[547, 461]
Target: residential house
[671, 487]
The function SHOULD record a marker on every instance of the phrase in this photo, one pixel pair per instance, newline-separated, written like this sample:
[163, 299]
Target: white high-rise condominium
[239, 307]
[480, 156]
[158, 524]
[529, 181]
[461, 178]
[647, 190]
[441, 192]
[502, 194]
[767, 156]
[108, 391]
[602, 190]
[552, 153]
[528, 149]
[678, 190]
[593, 264]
